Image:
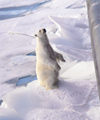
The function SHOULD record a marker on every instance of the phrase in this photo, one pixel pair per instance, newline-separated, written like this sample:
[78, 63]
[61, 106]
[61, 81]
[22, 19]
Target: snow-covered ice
[21, 96]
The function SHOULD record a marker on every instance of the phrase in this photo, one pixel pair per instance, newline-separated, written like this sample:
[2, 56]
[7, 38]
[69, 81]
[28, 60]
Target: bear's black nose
[44, 30]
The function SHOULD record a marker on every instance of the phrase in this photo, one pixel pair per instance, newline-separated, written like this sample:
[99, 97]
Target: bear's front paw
[58, 67]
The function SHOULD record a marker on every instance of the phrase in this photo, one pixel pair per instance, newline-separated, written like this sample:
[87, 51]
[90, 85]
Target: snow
[21, 96]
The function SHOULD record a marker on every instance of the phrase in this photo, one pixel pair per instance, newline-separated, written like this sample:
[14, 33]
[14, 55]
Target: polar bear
[47, 67]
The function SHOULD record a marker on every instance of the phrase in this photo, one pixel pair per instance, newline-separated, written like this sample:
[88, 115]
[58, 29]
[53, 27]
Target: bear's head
[41, 34]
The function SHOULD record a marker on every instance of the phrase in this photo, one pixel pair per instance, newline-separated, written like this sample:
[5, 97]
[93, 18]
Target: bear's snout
[42, 30]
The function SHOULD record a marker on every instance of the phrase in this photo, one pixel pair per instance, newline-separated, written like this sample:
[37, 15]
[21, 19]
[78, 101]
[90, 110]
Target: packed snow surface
[21, 96]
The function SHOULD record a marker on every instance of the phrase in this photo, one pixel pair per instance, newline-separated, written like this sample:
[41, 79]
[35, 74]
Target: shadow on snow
[22, 81]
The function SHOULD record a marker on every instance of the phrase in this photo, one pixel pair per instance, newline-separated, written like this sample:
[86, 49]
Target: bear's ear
[35, 35]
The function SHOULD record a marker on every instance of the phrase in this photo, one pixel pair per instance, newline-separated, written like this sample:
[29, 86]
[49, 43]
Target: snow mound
[45, 114]
[73, 96]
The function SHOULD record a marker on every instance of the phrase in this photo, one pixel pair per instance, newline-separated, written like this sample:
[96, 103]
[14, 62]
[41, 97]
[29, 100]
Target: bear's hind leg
[42, 83]
[52, 84]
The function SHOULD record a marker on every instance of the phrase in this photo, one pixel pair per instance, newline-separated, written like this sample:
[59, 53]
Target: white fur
[46, 68]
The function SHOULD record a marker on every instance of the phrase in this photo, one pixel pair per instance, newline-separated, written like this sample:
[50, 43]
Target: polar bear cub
[47, 67]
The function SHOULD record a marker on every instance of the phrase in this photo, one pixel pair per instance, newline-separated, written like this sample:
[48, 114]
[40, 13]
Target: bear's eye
[39, 30]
